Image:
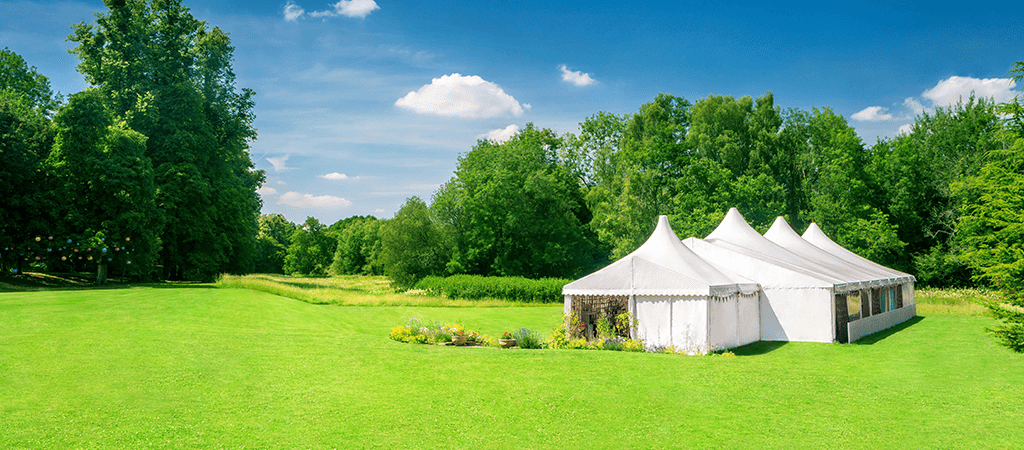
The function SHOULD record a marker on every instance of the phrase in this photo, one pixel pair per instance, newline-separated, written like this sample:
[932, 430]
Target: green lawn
[205, 367]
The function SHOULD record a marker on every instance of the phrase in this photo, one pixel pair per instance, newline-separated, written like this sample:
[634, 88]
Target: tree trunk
[101, 274]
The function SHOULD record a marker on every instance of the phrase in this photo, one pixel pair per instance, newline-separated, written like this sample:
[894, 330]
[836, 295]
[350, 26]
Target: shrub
[559, 338]
[475, 287]
[527, 338]
[633, 345]
[604, 328]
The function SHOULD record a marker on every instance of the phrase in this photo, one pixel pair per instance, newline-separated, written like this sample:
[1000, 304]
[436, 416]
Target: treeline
[544, 205]
[146, 172]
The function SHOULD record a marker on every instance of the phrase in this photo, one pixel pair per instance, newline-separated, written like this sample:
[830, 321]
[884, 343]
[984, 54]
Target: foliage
[169, 77]
[311, 250]
[359, 248]
[543, 235]
[17, 77]
[272, 242]
[474, 287]
[604, 329]
[412, 245]
[102, 165]
[527, 338]
[26, 137]
[991, 230]
[419, 331]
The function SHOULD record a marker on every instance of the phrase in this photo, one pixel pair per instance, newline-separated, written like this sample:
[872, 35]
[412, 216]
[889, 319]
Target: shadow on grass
[758, 348]
[881, 335]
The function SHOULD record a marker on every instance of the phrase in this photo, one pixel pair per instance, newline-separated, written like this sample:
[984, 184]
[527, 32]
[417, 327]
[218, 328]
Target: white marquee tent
[737, 286]
[677, 298]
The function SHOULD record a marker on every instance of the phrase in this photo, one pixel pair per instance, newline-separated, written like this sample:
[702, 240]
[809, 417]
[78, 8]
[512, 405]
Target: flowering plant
[506, 335]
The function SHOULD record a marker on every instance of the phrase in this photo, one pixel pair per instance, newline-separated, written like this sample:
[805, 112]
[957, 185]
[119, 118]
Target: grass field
[202, 367]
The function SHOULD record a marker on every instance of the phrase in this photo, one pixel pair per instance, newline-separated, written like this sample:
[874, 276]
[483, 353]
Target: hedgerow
[473, 287]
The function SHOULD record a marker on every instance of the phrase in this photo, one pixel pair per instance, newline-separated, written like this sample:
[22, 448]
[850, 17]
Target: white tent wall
[724, 316]
[805, 315]
[748, 312]
[664, 321]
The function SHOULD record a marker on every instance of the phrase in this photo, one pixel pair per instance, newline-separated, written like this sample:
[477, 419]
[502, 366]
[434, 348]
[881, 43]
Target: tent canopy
[661, 266]
[815, 236]
[783, 235]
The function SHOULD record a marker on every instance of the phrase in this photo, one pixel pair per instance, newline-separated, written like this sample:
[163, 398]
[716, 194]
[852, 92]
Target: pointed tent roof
[736, 235]
[819, 239]
[783, 235]
[661, 266]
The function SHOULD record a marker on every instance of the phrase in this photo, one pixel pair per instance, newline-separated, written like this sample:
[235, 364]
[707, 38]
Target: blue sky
[361, 104]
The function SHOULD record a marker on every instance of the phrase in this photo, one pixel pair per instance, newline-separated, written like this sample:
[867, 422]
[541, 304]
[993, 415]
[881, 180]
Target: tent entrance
[589, 309]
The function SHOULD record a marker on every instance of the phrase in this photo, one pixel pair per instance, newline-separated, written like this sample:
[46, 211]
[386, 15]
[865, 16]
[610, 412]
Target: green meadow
[200, 366]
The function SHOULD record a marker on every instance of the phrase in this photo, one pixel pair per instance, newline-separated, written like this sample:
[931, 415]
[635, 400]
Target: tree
[412, 245]
[101, 165]
[991, 223]
[543, 234]
[359, 248]
[16, 76]
[169, 77]
[311, 250]
[272, 243]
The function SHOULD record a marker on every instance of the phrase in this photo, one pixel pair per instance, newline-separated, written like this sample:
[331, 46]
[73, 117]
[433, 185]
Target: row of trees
[155, 151]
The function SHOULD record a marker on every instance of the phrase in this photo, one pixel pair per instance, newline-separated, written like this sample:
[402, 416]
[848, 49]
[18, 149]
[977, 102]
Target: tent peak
[780, 228]
[733, 225]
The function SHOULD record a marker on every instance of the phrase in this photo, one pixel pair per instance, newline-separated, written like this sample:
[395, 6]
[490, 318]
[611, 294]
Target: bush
[527, 338]
[475, 287]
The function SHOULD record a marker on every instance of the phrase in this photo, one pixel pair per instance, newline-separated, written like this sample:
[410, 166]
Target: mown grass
[348, 290]
[198, 367]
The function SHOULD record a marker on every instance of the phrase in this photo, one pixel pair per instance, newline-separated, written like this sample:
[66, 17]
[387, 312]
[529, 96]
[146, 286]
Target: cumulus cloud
[914, 105]
[301, 200]
[951, 90]
[334, 176]
[266, 190]
[280, 163]
[872, 114]
[501, 134]
[461, 96]
[906, 129]
[293, 12]
[349, 8]
[576, 77]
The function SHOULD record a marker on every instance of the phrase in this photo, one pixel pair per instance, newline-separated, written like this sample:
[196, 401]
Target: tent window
[589, 309]
[892, 299]
[853, 304]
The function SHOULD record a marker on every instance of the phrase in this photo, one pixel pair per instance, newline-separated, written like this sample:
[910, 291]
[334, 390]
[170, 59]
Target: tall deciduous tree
[413, 245]
[105, 180]
[521, 212]
[169, 77]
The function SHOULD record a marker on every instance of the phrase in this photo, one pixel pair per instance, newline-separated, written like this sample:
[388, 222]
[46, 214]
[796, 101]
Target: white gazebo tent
[677, 298]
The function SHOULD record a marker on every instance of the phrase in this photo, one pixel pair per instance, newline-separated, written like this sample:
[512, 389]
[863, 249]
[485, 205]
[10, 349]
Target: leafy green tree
[102, 166]
[311, 250]
[521, 211]
[634, 178]
[16, 76]
[359, 249]
[272, 243]
[25, 202]
[169, 77]
[991, 223]
[412, 245]
[912, 175]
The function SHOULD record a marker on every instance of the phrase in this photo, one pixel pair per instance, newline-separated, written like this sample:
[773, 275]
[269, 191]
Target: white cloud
[279, 163]
[951, 90]
[334, 175]
[576, 77]
[872, 114]
[906, 129]
[292, 12]
[300, 200]
[914, 105]
[501, 134]
[349, 8]
[266, 190]
[461, 96]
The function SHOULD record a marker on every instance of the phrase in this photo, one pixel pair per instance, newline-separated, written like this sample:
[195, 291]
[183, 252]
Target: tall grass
[348, 290]
[961, 302]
